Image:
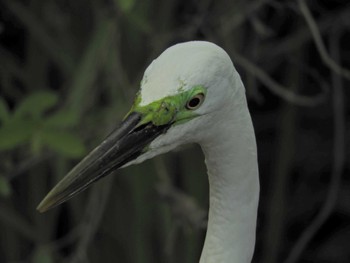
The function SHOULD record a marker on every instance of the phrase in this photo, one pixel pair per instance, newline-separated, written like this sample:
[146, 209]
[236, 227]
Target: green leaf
[62, 119]
[125, 5]
[15, 133]
[140, 23]
[5, 187]
[4, 112]
[36, 144]
[64, 143]
[36, 104]
[42, 255]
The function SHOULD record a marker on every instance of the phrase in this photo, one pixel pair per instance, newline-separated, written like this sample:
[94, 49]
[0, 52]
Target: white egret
[190, 94]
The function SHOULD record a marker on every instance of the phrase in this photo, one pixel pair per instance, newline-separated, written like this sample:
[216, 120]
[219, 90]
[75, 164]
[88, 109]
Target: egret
[191, 93]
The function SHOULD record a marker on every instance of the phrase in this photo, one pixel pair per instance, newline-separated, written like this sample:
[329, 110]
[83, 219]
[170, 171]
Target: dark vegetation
[69, 71]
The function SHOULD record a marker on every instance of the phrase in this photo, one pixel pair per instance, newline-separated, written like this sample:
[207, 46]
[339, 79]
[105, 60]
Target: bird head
[182, 92]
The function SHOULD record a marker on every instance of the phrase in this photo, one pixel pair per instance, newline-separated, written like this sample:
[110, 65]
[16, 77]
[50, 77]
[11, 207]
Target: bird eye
[195, 102]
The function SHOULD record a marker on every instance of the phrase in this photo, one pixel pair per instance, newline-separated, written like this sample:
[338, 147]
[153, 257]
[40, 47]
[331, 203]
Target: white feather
[225, 132]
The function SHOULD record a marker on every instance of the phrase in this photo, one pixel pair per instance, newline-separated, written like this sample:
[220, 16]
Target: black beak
[122, 146]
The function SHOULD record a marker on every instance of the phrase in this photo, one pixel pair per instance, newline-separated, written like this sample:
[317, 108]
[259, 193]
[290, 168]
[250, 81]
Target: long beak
[122, 146]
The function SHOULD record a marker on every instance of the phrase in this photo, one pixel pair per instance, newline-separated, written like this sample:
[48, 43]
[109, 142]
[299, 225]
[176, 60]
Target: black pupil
[194, 102]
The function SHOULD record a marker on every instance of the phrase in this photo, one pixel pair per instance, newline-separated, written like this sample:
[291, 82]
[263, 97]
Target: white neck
[231, 159]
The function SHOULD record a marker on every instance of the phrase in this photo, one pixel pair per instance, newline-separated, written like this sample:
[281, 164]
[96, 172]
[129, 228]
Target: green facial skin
[169, 109]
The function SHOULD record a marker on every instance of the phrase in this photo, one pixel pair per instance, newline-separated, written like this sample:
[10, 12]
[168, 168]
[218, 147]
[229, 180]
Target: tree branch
[277, 88]
[93, 215]
[319, 43]
[338, 162]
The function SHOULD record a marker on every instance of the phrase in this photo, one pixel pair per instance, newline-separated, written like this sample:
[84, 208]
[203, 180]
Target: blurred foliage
[68, 74]
[125, 5]
[28, 124]
[42, 255]
[5, 188]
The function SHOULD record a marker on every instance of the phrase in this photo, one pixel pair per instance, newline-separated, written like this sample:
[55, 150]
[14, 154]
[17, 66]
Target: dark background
[69, 71]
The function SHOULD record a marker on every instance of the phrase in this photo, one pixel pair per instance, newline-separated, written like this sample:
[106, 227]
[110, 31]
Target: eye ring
[195, 102]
